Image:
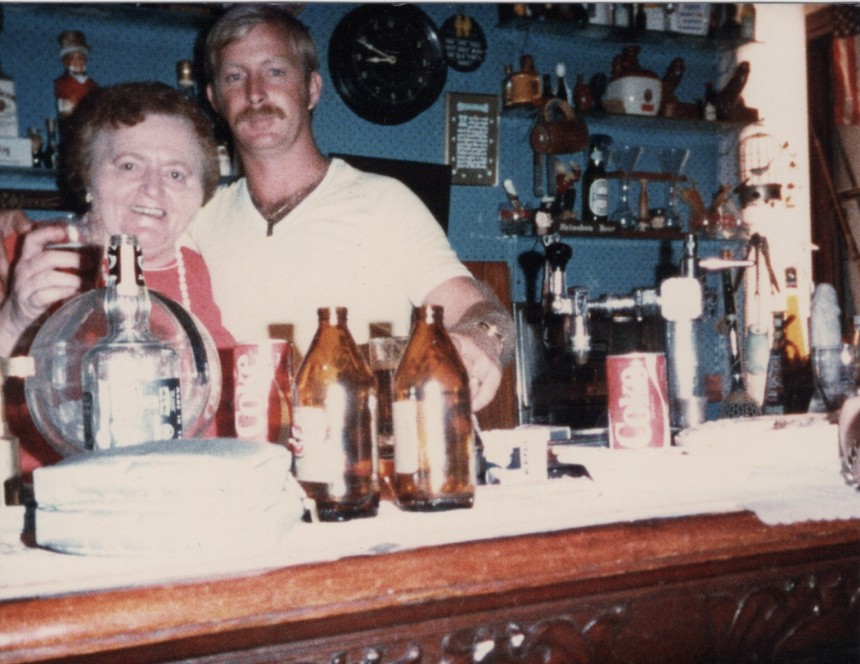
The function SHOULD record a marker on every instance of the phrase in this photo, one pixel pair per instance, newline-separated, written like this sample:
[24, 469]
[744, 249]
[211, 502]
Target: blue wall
[128, 43]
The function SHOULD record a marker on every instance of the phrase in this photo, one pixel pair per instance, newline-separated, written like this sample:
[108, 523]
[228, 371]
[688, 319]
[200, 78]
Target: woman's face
[146, 180]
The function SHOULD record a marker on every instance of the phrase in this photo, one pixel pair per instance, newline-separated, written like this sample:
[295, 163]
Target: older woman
[144, 158]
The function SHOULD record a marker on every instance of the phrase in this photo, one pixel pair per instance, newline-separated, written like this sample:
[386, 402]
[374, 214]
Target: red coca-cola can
[262, 397]
[638, 401]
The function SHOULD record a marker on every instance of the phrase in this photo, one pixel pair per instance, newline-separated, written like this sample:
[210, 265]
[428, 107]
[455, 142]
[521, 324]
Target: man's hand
[481, 330]
[485, 374]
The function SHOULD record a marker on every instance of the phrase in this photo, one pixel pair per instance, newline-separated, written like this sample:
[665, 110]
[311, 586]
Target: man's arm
[482, 331]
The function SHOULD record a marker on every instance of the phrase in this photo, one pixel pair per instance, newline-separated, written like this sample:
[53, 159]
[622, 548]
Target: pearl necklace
[183, 281]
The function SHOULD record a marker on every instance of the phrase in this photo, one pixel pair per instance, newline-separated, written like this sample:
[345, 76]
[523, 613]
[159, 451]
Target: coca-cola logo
[634, 428]
[251, 398]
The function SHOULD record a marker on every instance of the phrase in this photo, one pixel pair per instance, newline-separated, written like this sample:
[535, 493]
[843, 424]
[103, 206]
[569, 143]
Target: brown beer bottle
[434, 457]
[333, 423]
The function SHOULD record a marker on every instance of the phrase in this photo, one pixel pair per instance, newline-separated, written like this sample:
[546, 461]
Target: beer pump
[679, 302]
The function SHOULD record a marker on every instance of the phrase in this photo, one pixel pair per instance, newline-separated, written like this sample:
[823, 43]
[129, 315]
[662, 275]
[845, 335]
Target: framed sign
[472, 138]
[464, 42]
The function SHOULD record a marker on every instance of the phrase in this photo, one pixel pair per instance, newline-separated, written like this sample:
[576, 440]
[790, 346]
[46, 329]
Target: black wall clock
[387, 62]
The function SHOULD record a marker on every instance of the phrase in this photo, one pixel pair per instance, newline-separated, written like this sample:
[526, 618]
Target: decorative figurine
[75, 83]
[730, 104]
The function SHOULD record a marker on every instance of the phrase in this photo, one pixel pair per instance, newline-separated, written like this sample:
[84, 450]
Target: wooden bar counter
[708, 588]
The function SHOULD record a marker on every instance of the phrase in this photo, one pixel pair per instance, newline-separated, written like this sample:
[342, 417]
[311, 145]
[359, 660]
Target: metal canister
[638, 401]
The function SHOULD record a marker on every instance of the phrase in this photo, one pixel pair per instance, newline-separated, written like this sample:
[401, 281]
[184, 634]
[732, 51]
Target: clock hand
[384, 57]
[389, 59]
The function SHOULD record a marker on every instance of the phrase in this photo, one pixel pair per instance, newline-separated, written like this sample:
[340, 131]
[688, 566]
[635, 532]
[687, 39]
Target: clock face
[387, 62]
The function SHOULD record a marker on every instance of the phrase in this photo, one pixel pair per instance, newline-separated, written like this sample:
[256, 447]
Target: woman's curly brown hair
[125, 105]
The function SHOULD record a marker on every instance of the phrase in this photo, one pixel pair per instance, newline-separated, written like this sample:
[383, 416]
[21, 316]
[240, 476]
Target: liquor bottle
[796, 347]
[583, 99]
[434, 455]
[595, 187]
[507, 87]
[130, 378]
[185, 82]
[775, 401]
[50, 154]
[747, 18]
[546, 88]
[562, 91]
[334, 427]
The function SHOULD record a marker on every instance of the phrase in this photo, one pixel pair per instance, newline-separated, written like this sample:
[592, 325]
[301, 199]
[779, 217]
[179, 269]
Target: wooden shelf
[613, 34]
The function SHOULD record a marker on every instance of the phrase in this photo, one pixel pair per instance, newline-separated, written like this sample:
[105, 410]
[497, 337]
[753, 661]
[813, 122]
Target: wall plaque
[472, 138]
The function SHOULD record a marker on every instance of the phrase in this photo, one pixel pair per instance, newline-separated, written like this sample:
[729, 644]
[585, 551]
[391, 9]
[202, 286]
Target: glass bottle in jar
[130, 379]
[334, 435]
[434, 456]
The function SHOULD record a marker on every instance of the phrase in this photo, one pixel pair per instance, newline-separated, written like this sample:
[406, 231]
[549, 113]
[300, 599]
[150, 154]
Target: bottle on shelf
[35, 146]
[434, 440]
[546, 88]
[622, 14]
[185, 82]
[507, 86]
[562, 91]
[775, 401]
[50, 153]
[595, 185]
[747, 19]
[333, 423]
[583, 99]
[130, 378]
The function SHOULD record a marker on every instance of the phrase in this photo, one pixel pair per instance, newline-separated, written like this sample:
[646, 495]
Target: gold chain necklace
[283, 208]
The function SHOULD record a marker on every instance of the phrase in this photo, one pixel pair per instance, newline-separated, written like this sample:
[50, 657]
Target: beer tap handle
[557, 255]
[580, 336]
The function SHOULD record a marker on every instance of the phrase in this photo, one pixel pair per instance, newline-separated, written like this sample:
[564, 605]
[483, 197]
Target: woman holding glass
[144, 158]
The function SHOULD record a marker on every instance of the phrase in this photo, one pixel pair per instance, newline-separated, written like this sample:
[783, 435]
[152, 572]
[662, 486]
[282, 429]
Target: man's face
[147, 180]
[262, 92]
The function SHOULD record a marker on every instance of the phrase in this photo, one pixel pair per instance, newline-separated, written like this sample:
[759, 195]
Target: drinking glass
[624, 157]
[384, 355]
[672, 162]
[835, 371]
[81, 240]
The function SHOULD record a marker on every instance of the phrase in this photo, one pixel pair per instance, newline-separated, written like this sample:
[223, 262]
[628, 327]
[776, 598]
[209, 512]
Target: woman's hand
[41, 278]
[12, 222]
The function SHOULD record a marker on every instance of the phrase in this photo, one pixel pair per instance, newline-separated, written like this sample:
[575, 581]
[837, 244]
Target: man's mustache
[260, 112]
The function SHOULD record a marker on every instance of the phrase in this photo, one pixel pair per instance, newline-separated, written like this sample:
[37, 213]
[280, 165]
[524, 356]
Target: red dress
[35, 451]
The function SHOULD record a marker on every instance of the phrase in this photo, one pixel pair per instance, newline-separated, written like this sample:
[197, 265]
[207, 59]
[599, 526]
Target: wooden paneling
[718, 588]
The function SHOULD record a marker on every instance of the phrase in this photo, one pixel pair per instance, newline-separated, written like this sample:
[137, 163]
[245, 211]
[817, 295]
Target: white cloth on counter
[785, 469]
[218, 496]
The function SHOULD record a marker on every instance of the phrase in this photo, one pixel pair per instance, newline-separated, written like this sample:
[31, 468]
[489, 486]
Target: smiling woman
[143, 157]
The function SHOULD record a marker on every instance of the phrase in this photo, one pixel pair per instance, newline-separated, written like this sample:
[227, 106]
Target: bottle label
[420, 440]
[404, 416]
[317, 448]
[129, 412]
[598, 197]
